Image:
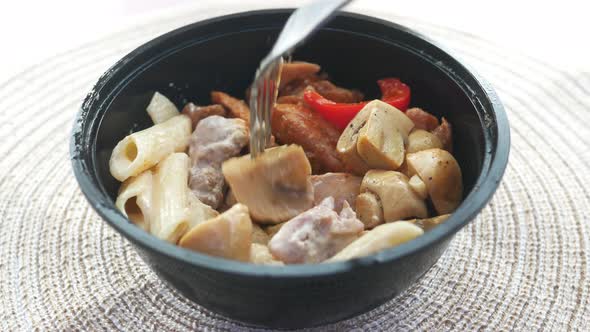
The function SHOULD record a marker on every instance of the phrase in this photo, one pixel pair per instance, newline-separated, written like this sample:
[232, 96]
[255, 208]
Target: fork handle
[303, 22]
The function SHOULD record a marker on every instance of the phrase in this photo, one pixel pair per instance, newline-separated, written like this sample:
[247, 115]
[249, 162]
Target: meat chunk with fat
[444, 133]
[337, 94]
[297, 124]
[198, 113]
[344, 187]
[215, 140]
[236, 108]
[297, 70]
[294, 90]
[422, 119]
[316, 235]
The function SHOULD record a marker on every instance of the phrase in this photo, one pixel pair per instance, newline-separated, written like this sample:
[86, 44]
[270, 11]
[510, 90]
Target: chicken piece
[276, 186]
[419, 140]
[324, 87]
[297, 124]
[236, 108]
[289, 100]
[342, 186]
[337, 94]
[259, 254]
[228, 235]
[297, 70]
[215, 140]
[197, 113]
[296, 87]
[316, 234]
[444, 132]
[422, 119]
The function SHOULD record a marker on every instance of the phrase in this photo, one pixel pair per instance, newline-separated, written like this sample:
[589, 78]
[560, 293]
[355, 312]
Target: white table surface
[555, 31]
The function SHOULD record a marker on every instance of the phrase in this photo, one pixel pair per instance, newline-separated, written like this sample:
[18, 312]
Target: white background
[556, 31]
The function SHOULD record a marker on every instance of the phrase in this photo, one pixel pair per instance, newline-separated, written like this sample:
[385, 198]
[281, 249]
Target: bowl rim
[494, 164]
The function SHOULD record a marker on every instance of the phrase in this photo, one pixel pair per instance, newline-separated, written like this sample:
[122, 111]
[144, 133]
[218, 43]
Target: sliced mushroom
[276, 186]
[387, 196]
[418, 186]
[259, 254]
[197, 211]
[369, 209]
[429, 223]
[230, 199]
[442, 175]
[259, 235]
[422, 140]
[381, 237]
[228, 235]
[375, 138]
[381, 140]
[347, 142]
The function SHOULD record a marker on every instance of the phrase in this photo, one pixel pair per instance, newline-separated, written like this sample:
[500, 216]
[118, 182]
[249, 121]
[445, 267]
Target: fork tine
[266, 110]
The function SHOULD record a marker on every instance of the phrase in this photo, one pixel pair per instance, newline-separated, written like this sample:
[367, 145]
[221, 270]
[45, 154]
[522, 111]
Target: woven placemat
[523, 264]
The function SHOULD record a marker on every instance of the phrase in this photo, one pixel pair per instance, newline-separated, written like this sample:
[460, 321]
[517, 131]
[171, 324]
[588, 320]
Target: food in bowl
[341, 178]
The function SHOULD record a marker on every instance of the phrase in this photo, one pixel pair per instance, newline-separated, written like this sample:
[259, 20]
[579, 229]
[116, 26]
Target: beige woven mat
[523, 264]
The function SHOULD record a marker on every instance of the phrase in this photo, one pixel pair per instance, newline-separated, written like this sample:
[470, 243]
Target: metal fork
[263, 93]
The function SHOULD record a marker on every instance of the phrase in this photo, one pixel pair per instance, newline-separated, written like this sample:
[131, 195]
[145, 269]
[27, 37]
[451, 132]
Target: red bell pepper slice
[393, 91]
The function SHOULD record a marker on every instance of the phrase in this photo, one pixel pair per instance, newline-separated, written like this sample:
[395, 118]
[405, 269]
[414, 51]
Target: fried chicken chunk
[236, 108]
[297, 124]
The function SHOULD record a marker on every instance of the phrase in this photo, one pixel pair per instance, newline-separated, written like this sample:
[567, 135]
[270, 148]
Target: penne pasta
[170, 198]
[175, 208]
[379, 238]
[144, 149]
[135, 199]
[161, 108]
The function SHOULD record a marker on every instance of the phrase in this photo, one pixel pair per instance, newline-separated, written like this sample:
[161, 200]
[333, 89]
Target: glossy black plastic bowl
[222, 54]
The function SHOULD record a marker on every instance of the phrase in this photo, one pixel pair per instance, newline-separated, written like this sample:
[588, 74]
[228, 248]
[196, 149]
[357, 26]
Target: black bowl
[222, 54]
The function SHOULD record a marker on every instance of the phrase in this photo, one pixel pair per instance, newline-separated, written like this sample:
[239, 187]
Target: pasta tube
[170, 198]
[135, 199]
[144, 149]
[175, 209]
[161, 108]
[379, 238]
